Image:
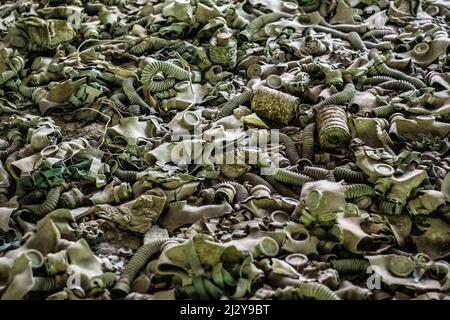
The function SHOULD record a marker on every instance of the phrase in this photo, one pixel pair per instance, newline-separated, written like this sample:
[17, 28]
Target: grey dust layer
[220, 149]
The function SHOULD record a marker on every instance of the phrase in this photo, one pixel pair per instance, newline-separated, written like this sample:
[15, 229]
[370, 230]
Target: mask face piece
[298, 240]
[369, 130]
[81, 256]
[426, 203]
[20, 281]
[322, 201]
[63, 220]
[46, 240]
[435, 240]
[180, 213]
[133, 130]
[359, 235]
[173, 259]
[399, 271]
[137, 215]
[343, 14]
[372, 164]
[261, 203]
[34, 33]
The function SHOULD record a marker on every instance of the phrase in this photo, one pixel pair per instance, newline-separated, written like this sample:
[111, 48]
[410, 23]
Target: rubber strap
[228, 278]
[213, 290]
[192, 258]
[217, 275]
[243, 286]
[200, 287]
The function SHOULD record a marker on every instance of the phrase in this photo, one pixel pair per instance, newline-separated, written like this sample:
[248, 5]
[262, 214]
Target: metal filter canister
[274, 105]
[223, 50]
[332, 126]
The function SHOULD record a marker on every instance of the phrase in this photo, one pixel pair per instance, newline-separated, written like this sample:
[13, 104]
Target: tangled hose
[15, 138]
[316, 291]
[135, 265]
[49, 284]
[308, 141]
[281, 188]
[382, 46]
[31, 198]
[148, 44]
[378, 33]
[4, 144]
[377, 80]
[290, 177]
[291, 149]
[27, 92]
[348, 175]
[236, 101]
[397, 85]
[391, 207]
[254, 26]
[168, 68]
[119, 98]
[306, 290]
[133, 96]
[339, 98]
[350, 266]
[50, 203]
[105, 280]
[383, 69]
[352, 191]
[387, 110]
[11, 149]
[319, 173]
[126, 176]
[255, 180]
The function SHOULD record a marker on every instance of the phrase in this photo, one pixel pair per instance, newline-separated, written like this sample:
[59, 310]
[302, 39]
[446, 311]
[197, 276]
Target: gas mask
[418, 272]
[426, 203]
[321, 202]
[360, 235]
[137, 215]
[35, 34]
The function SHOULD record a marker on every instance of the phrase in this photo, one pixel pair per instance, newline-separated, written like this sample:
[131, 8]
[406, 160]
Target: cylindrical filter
[315, 46]
[72, 199]
[333, 127]
[274, 105]
[223, 50]
[299, 84]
